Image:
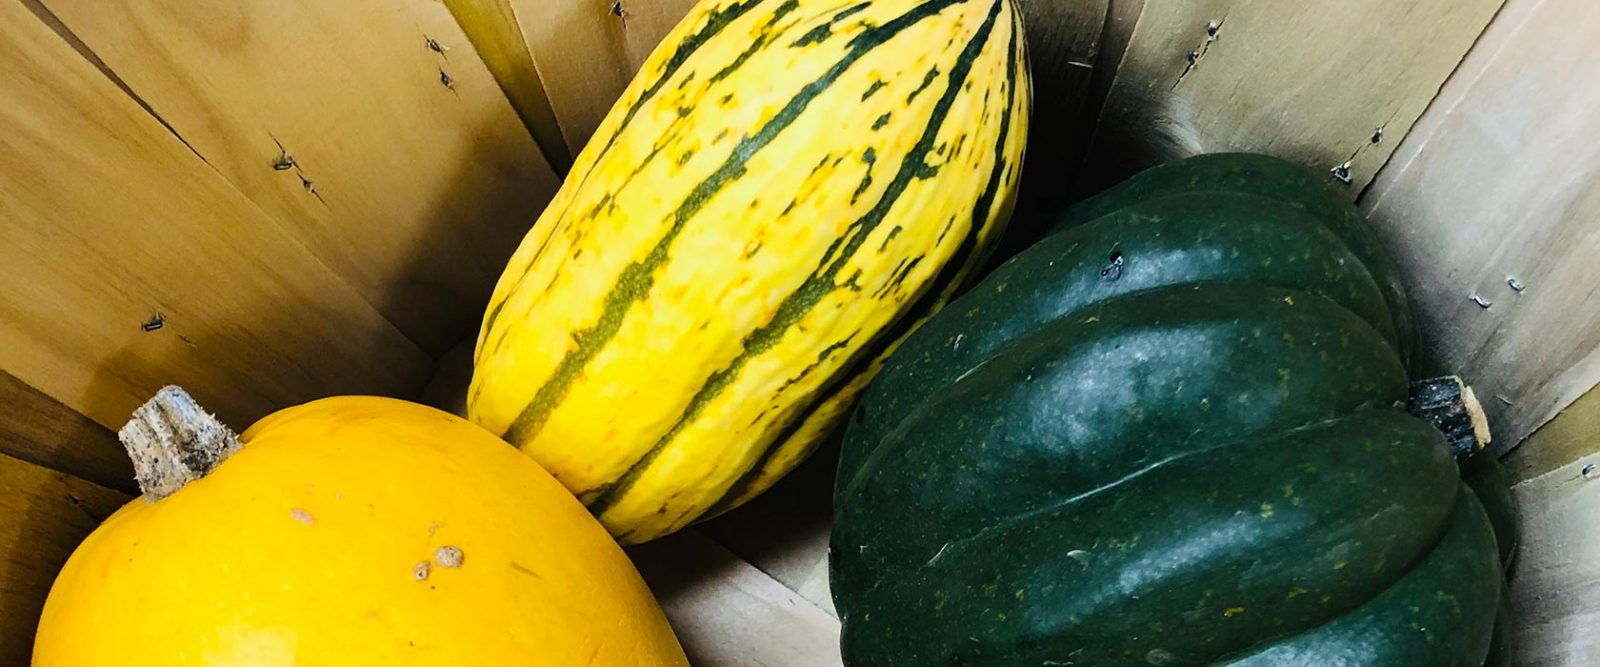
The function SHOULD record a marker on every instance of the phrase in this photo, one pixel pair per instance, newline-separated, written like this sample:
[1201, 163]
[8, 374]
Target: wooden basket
[269, 201]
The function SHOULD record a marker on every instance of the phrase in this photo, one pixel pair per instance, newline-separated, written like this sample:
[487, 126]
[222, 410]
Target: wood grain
[1307, 81]
[112, 226]
[447, 390]
[645, 23]
[1558, 570]
[565, 62]
[1501, 181]
[1121, 18]
[40, 430]
[785, 531]
[565, 56]
[414, 190]
[1063, 43]
[1063, 52]
[495, 29]
[729, 614]
[46, 514]
[1572, 435]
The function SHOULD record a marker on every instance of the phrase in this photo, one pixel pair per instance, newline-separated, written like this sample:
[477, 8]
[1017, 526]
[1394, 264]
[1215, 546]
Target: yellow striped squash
[786, 188]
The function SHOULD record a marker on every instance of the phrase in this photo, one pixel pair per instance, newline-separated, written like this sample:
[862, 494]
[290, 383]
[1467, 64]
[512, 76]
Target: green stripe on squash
[876, 261]
[824, 279]
[634, 286]
[971, 252]
[716, 21]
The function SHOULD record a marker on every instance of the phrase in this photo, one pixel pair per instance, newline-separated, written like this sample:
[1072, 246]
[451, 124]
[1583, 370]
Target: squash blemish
[449, 556]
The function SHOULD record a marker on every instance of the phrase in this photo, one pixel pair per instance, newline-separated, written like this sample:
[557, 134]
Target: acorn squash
[1172, 433]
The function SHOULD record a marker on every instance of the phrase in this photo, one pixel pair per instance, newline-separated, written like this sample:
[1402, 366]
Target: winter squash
[783, 191]
[347, 531]
[1172, 433]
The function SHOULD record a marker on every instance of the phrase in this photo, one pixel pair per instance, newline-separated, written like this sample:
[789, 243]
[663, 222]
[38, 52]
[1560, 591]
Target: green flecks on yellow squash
[786, 188]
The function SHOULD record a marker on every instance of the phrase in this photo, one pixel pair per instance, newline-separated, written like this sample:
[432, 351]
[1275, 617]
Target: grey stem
[173, 441]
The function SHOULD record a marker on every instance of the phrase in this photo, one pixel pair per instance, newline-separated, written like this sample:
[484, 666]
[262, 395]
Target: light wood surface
[1307, 81]
[40, 430]
[495, 30]
[784, 532]
[792, 552]
[46, 514]
[1121, 18]
[1501, 181]
[727, 613]
[647, 22]
[565, 62]
[109, 225]
[1558, 570]
[1572, 435]
[419, 190]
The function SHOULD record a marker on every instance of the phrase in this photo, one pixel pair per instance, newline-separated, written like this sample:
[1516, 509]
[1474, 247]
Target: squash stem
[1450, 406]
[173, 441]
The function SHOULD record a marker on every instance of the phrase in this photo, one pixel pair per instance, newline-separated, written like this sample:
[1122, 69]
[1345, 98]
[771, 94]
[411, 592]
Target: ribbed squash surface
[783, 191]
[1172, 433]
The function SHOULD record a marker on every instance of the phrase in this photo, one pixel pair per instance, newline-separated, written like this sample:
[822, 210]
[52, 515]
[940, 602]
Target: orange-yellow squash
[347, 532]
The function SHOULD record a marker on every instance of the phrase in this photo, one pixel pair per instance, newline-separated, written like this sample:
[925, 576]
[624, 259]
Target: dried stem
[173, 441]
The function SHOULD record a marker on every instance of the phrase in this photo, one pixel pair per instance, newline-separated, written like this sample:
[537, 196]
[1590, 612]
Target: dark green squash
[1431, 616]
[1269, 177]
[1171, 434]
[1502, 652]
[1483, 472]
[1184, 239]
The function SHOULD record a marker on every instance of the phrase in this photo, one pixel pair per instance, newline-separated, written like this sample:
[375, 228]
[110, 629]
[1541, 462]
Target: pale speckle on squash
[449, 556]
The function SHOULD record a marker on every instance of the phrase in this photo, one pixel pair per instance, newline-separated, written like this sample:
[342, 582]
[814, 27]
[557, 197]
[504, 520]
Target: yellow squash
[343, 533]
[786, 188]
